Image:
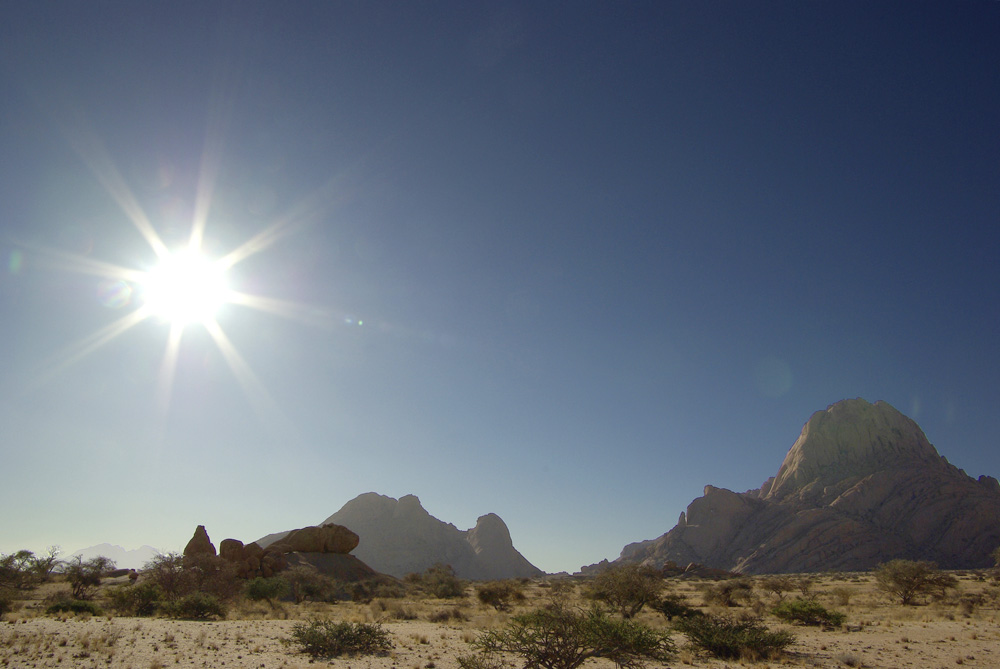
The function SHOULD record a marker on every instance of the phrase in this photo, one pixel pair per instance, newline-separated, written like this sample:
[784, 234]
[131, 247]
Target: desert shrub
[141, 599]
[842, 595]
[561, 638]
[777, 585]
[307, 583]
[996, 556]
[6, 601]
[627, 588]
[74, 606]
[673, 606]
[807, 612]
[267, 589]
[214, 575]
[728, 593]
[389, 590]
[439, 581]
[167, 572]
[731, 638]
[499, 594]
[84, 576]
[906, 580]
[444, 615]
[196, 606]
[325, 638]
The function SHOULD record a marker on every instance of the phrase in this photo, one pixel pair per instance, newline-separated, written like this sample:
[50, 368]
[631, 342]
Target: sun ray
[168, 370]
[221, 103]
[255, 391]
[92, 151]
[87, 345]
[302, 313]
[73, 262]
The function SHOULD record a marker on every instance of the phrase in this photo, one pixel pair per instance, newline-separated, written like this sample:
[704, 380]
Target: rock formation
[861, 485]
[399, 537]
[325, 548]
[199, 545]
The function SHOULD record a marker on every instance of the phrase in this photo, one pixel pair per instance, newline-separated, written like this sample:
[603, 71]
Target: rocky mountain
[861, 485]
[399, 537]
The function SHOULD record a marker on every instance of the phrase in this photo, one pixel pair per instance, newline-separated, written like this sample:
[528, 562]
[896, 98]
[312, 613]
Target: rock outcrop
[199, 545]
[861, 485]
[325, 548]
[399, 537]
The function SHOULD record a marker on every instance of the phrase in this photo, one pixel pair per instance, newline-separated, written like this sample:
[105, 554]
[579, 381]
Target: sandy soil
[877, 634]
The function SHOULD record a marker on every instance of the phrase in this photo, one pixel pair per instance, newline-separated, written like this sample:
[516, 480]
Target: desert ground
[961, 629]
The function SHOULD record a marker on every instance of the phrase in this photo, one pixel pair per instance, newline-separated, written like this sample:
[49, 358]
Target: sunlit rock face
[399, 537]
[861, 485]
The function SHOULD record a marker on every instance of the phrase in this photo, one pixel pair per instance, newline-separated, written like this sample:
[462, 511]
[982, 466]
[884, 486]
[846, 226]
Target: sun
[185, 288]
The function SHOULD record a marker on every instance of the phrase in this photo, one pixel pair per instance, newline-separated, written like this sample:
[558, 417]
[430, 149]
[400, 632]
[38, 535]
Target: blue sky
[564, 262]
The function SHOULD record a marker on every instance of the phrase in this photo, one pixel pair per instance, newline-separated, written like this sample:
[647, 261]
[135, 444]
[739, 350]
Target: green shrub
[499, 594]
[627, 588]
[196, 606]
[6, 601]
[728, 593]
[674, 606]
[325, 638]
[85, 575]
[75, 606]
[561, 638]
[731, 638]
[141, 599]
[267, 589]
[807, 612]
[441, 581]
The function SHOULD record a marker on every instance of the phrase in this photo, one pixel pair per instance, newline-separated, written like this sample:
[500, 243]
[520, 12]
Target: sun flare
[185, 288]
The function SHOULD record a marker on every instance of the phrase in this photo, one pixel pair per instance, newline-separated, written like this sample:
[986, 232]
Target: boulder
[328, 538]
[199, 545]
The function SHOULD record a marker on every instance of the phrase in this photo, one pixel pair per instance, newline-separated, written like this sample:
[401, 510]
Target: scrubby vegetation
[325, 638]
[907, 580]
[501, 595]
[729, 637]
[627, 588]
[807, 612]
[564, 638]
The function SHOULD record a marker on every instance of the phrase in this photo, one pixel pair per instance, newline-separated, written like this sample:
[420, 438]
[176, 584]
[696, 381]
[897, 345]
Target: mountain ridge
[861, 485]
[399, 537]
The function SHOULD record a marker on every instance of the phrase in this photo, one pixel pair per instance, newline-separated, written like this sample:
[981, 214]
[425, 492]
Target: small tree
[16, 570]
[908, 579]
[441, 581]
[627, 587]
[307, 583]
[996, 556]
[777, 585]
[167, 571]
[85, 576]
[728, 593]
[268, 589]
[499, 594]
[561, 638]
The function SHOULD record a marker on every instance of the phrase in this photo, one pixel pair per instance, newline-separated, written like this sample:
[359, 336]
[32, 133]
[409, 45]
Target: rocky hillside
[399, 537]
[861, 485]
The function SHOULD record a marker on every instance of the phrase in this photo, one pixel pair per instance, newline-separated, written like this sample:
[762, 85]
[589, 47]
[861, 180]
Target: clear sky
[563, 262]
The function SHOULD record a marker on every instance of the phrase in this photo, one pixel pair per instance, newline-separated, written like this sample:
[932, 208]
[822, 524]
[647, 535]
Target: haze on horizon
[563, 263]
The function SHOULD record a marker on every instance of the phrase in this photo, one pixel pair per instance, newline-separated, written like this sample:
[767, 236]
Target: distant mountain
[399, 537]
[124, 559]
[860, 486]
